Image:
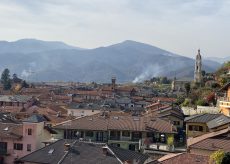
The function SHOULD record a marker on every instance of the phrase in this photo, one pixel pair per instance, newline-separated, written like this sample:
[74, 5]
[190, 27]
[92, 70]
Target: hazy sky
[180, 26]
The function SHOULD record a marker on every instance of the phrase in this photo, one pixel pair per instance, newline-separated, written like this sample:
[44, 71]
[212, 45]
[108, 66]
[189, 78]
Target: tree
[5, 79]
[226, 159]
[24, 84]
[217, 157]
[203, 73]
[211, 98]
[187, 87]
[201, 102]
[16, 79]
[179, 100]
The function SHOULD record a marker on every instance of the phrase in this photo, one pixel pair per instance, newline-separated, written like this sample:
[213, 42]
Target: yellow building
[197, 125]
[224, 102]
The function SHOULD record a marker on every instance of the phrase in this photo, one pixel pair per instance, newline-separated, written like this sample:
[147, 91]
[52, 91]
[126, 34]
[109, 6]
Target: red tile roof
[184, 158]
[119, 122]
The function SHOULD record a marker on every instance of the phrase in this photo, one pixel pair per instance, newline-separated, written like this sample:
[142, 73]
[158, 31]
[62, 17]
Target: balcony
[224, 102]
[227, 99]
[147, 143]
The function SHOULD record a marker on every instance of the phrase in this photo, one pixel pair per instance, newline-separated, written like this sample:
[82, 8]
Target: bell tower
[198, 68]
[113, 83]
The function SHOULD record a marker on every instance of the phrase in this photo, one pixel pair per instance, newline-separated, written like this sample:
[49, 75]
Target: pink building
[18, 139]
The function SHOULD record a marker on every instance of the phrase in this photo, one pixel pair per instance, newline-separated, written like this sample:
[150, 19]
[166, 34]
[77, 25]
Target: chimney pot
[104, 150]
[66, 147]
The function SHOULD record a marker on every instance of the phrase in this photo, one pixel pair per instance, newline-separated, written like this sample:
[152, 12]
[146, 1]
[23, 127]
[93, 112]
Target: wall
[196, 133]
[82, 112]
[225, 111]
[200, 109]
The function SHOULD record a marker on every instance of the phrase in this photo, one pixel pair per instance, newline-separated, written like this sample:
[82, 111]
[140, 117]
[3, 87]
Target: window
[176, 122]
[3, 147]
[195, 128]
[28, 147]
[115, 144]
[89, 134]
[18, 146]
[201, 128]
[132, 147]
[29, 132]
[125, 133]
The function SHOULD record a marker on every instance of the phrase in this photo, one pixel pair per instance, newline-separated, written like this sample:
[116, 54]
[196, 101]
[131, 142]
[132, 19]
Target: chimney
[105, 150]
[128, 162]
[66, 147]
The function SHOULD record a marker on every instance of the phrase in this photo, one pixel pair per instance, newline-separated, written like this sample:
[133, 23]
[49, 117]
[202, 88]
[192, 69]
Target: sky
[179, 26]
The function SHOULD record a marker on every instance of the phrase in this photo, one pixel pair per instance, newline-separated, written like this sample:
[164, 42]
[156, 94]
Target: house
[164, 100]
[75, 151]
[200, 124]
[82, 109]
[178, 85]
[88, 95]
[224, 102]
[210, 142]
[124, 102]
[20, 138]
[169, 112]
[121, 130]
[22, 101]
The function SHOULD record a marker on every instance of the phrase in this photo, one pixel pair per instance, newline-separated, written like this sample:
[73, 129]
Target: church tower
[198, 69]
[113, 83]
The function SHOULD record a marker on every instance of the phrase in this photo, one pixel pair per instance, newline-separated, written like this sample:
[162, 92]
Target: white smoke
[149, 72]
[26, 73]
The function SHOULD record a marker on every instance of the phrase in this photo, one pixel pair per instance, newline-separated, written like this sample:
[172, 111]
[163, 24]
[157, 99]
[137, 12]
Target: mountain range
[38, 60]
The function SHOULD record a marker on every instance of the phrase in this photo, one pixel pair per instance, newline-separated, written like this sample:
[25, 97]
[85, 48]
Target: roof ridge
[40, 149]
[198, 139]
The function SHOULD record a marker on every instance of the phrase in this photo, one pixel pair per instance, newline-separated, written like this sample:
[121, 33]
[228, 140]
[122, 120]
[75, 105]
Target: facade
[224, 102]
[198, 68]
[178, 85]
[127, 132]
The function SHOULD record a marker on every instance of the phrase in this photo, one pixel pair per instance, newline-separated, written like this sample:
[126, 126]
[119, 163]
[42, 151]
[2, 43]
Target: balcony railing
[115, 138]
[118, 138]
[224, 99]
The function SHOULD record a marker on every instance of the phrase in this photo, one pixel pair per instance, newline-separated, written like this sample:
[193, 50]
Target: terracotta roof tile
[185, 158]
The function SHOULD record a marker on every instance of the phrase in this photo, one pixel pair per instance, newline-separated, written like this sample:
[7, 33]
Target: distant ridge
[38, 60]
[32, 45]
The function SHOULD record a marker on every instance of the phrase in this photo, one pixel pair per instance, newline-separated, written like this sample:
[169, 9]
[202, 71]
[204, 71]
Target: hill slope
[128, 61]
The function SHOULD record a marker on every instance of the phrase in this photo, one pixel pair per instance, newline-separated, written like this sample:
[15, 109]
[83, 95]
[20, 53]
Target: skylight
[6, 129]
[136, 119]
[51, 151]
[116, 117]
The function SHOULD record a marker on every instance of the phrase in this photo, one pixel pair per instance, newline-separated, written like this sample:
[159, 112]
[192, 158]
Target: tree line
[7, 80]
